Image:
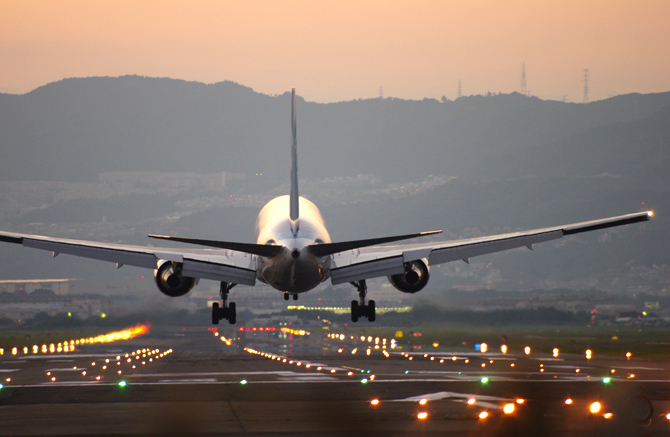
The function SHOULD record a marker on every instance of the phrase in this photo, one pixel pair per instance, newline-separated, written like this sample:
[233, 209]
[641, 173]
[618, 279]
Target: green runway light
[244, 381]
[484, 380]
[364, 380]
[362, 371]
[122, 383]
[606, 380]
[1, 386]
[368, 371]
[406, 372]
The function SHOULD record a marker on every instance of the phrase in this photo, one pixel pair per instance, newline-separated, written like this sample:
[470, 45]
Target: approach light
[508, 408]
[568, 401]
[423, 401]
[374, 402]
[422, 415]
[595, 407]
[483, 415]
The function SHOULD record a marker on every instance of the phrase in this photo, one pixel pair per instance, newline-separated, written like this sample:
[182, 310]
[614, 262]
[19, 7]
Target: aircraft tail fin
[294, 210]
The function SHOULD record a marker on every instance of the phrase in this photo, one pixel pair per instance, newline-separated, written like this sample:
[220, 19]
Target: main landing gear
[286, 296]
[359, 310]
[226, 311]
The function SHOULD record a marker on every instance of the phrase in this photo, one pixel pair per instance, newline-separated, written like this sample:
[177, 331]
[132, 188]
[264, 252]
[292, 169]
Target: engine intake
[171, 282]
[415, 277]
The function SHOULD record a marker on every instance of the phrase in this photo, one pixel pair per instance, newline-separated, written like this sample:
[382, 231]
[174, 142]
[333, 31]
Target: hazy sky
[342, 50]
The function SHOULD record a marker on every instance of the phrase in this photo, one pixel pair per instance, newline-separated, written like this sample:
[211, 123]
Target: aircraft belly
[293, 276]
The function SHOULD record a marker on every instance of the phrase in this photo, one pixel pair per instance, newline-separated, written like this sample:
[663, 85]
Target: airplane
[293, 252]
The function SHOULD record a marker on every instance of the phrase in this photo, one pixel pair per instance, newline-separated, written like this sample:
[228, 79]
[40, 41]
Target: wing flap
[367, 270]
[443, 255]
[218, 272]
[125, 257]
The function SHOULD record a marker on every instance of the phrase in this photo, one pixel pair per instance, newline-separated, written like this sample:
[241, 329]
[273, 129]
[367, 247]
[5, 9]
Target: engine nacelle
[415, 277]
[170, 280]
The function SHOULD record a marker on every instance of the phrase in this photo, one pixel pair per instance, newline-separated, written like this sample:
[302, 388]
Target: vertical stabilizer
[294, 211]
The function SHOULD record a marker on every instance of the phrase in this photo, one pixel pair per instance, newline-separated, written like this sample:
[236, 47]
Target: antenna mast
[586, 85]
[524, 91]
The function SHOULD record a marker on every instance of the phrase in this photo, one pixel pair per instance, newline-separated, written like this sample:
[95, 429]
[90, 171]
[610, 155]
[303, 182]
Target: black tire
[295, 297]
[285, 296]
[371, 311]
[232, 314]
[215, 313]
[354, 311]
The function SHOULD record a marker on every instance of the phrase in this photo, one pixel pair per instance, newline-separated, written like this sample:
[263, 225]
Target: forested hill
[74, 129]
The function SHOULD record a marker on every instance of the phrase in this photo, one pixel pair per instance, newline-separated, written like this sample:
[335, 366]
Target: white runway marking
[181, 381]
[307, 378]
[9, 370]
[66, 369]
[167, 375]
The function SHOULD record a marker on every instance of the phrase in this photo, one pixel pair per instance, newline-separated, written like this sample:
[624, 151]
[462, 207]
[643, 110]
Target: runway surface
[191, 381]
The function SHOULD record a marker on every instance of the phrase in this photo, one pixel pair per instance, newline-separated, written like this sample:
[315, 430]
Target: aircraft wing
[376, 261]
[217, 264]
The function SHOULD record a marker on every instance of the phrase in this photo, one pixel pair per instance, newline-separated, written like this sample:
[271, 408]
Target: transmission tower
[524, 91]
[381, 92]
[460, 93]
[586, 85]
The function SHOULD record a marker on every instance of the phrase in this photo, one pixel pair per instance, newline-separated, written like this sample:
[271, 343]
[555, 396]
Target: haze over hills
[518, 162]
[74, 129]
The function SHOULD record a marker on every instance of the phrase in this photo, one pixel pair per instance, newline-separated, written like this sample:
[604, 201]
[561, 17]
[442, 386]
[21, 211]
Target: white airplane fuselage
[295, 269]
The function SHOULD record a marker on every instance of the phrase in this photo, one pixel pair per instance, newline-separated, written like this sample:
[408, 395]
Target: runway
[199, 382]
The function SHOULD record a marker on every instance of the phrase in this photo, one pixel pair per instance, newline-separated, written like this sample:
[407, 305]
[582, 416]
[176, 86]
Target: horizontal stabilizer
[265, 250]
[331, 248]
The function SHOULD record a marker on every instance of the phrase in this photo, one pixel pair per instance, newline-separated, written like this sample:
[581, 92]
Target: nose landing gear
[225, 311]
[359, 310]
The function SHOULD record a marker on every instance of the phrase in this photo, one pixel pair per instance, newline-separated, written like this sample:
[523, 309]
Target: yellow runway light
[508, 408]
[472, 401]
[483, 415]
[374, 402]
[422, 415]
[595, 407]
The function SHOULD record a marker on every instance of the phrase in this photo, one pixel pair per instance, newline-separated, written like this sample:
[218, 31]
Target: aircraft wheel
[215, 313]
[285, 296]
[354, 311]
[232, 314]
[371, 311]
[295, 297]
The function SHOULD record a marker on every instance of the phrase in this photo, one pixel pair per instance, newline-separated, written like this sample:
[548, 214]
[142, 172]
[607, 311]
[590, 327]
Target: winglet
[294, 210]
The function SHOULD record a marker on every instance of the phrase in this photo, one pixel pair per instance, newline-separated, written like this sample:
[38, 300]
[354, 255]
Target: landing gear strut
[360, 309]
[226, 311]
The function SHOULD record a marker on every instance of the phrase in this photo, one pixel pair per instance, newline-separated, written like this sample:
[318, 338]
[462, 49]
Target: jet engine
[415, 277]
[170, 280]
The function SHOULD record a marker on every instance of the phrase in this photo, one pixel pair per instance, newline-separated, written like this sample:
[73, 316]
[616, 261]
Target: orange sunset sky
[343, 50]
